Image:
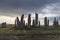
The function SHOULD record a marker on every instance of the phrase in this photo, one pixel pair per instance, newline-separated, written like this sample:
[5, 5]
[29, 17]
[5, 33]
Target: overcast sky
[13, 8]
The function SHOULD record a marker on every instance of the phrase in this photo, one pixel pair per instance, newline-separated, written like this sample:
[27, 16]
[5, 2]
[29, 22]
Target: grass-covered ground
[13, 31]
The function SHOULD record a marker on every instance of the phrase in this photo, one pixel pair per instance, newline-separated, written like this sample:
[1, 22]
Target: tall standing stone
[36, 20]
[22, 22]
[33, 23]
[46, 23]
[17, 22]
[39, 23]
[29, 21]
[55, 22]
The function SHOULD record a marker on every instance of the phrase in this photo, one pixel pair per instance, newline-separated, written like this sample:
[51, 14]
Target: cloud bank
[49, 8]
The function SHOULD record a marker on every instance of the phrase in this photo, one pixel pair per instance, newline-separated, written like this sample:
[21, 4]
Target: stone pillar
[55, 22]
[39, 23]
[33, 23]
[46, 23]
[17, 22]
[22, 22]
[29, 21]
[36, 20]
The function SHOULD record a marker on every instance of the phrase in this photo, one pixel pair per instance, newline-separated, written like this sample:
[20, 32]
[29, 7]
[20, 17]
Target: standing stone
[36, 20]
[39, 23]
[55, 22]
[46, 23]
[29, 21]
[4, 25]
[17, 23]
[22, 22]
[33, 23]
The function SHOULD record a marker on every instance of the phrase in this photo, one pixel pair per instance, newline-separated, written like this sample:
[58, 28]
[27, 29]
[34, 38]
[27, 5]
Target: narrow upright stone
[29, 21]
[36, 20]
[22, 22]
[55, 23]
[33, 23]
[46, 23]
[39, 23]
[17, 23]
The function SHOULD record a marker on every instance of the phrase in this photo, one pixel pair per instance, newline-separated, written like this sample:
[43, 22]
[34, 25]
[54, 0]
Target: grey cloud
[26, 3]
[23, 6]
[20, 2]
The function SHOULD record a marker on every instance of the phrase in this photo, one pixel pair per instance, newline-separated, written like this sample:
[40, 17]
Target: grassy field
[13, 31]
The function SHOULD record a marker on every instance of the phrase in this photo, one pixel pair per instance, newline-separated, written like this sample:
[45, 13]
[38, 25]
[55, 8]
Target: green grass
[12, 31]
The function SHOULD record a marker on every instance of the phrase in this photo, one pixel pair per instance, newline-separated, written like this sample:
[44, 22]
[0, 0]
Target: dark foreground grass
[12, 31]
